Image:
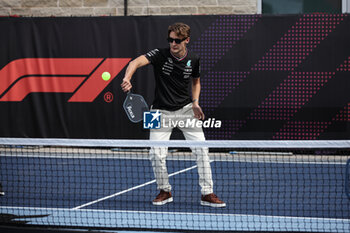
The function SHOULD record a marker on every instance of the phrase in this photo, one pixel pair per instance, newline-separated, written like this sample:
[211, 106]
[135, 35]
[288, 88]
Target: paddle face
[134, 106]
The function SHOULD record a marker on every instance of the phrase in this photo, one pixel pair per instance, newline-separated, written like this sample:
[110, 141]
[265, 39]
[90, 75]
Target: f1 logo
[151, 120]
[80, 76]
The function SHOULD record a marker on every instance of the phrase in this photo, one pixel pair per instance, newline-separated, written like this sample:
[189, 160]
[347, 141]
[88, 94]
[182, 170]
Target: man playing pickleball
[177, 74]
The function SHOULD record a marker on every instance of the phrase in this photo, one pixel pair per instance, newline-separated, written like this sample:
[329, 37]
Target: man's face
[178, 49]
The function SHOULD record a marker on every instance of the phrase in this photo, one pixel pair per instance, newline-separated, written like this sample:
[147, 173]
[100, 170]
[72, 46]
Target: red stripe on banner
[42, 84]
[95, 84]
[45, 66]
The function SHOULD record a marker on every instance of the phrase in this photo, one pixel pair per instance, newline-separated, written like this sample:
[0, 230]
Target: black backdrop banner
[263, 77]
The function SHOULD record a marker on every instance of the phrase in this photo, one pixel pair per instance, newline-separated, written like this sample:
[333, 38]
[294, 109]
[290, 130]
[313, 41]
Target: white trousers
[158, 154]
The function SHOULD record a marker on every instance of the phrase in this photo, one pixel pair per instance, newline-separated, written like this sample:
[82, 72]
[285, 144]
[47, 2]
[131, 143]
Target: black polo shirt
[173, 78]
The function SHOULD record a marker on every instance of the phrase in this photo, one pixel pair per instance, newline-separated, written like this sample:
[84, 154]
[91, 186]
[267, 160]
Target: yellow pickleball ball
[106, 76]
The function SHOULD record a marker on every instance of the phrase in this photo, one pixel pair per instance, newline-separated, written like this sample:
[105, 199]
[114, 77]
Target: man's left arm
[196, 89]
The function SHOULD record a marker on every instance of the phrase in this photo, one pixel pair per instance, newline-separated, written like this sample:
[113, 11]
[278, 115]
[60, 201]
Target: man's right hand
[126, 85]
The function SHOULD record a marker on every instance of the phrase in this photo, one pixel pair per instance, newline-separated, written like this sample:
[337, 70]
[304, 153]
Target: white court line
[130, 189]
[189, 220]
[175, 213]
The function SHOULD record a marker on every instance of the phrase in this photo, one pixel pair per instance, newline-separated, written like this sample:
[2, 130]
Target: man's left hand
[197, 110]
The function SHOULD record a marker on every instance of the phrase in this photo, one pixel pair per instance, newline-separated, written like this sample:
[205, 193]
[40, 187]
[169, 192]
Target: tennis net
[110, 184]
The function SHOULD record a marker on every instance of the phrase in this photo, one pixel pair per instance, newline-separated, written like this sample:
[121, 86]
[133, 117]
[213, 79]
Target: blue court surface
[262, 193]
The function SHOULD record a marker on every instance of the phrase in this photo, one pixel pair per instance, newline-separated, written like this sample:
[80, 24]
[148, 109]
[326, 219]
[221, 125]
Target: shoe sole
[205, 203]
[163, 202]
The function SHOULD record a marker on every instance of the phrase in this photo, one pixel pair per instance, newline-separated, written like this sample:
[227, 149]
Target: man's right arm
[131, 69]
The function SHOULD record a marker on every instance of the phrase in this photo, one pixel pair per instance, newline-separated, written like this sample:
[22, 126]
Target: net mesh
[110, 184]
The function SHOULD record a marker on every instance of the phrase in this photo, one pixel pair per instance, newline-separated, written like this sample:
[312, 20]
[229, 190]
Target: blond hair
[180, 29]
